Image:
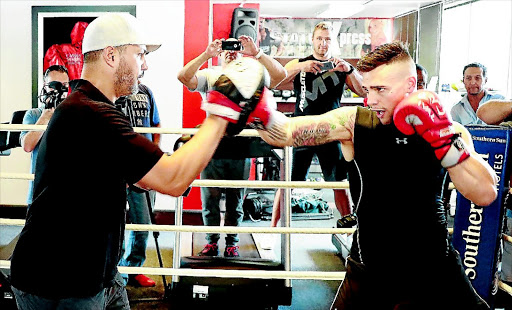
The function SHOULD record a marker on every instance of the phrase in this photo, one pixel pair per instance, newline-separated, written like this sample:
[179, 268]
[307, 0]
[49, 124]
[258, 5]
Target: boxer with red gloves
[401, 148]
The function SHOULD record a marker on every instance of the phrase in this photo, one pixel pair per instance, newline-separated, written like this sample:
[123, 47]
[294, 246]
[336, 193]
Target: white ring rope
[225, 273]
[253, 274]
[181, 131]
[197, 183]
[223, 183]
[505, 287]
[225, 229]
[230, 229]
[215, 229]
[230, 183]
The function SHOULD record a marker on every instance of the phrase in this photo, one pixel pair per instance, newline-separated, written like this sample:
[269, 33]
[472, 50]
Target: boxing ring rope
[180, 131]
[230, 183]
[215, 229]
[253, 274]
[230, 229]
[261, 274]
[225, 273]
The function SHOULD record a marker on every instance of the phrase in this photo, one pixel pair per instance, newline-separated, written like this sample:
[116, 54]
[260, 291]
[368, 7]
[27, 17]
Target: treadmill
[187, 292]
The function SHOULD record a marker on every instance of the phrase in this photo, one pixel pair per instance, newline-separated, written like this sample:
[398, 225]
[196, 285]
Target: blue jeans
[134, 251]
[112, 298]
[224, 169]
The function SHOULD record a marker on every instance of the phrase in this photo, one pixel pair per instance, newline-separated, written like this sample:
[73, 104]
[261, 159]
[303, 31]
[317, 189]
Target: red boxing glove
[422, 113]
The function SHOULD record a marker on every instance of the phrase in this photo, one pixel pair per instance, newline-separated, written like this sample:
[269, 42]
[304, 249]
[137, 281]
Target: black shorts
[448, 288]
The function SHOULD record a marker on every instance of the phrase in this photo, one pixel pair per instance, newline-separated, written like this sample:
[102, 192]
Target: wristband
[351, 70]
[456, 153]
[258, 55]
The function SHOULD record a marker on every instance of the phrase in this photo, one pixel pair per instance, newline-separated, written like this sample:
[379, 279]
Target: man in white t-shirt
[222, 168]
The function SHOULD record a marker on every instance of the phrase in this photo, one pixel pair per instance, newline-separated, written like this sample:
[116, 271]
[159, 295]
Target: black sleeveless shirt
[396, 184]
[317, 93]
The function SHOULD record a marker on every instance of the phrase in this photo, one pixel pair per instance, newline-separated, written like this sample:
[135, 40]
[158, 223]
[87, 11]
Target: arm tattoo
[313, 134]
[343, 119]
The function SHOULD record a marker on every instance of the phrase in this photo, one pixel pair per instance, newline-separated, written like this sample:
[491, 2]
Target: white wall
[166, 18]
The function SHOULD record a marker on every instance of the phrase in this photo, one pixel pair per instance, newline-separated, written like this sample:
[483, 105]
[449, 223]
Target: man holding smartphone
[318, 81]
[220, 167]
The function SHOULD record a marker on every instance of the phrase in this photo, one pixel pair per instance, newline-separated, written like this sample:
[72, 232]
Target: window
[477, 31]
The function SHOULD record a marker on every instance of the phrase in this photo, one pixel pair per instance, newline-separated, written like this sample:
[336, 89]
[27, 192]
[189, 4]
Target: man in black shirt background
[318, 90]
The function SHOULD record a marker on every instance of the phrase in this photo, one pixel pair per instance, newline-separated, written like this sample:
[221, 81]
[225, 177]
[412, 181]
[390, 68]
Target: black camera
[328, 65]
[231, 45]
[53, 97]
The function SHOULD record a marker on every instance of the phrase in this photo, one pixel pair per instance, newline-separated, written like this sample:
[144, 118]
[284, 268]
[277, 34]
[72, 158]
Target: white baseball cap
[116, 29]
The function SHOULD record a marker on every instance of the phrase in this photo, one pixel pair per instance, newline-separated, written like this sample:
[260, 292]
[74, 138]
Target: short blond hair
[323, 26]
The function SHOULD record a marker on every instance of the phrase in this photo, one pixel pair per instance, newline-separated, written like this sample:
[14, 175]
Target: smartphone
[328, 65]
[231, 45]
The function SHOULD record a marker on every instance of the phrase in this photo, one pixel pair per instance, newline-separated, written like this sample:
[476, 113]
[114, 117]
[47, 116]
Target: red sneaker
[209, 250]
[231, 251]
[143, 281]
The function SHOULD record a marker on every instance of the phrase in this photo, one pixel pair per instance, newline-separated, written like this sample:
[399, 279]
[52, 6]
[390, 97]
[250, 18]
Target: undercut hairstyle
[421, 68]
[93, 56]
[58, 68]
[322, 26]
[384, 54]
[475, 65]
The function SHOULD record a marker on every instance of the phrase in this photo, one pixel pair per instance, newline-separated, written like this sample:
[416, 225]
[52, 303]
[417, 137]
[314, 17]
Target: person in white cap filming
[89, 153]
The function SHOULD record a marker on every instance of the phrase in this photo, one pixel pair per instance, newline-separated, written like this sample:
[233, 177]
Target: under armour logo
[398, 141]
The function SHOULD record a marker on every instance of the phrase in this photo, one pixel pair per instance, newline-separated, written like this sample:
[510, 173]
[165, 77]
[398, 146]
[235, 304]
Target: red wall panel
[195, 42]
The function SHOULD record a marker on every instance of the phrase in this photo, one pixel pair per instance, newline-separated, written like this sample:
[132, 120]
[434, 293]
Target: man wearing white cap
[87, 155]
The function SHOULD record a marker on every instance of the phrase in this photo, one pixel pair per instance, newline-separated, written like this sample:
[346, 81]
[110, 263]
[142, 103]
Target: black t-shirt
[396, 185]
[323, 91]
[72, 238]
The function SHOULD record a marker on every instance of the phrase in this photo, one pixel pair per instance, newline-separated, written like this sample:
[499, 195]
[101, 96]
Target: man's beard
[125, 82]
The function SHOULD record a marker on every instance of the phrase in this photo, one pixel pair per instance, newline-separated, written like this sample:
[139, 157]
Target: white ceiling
[335, 9]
